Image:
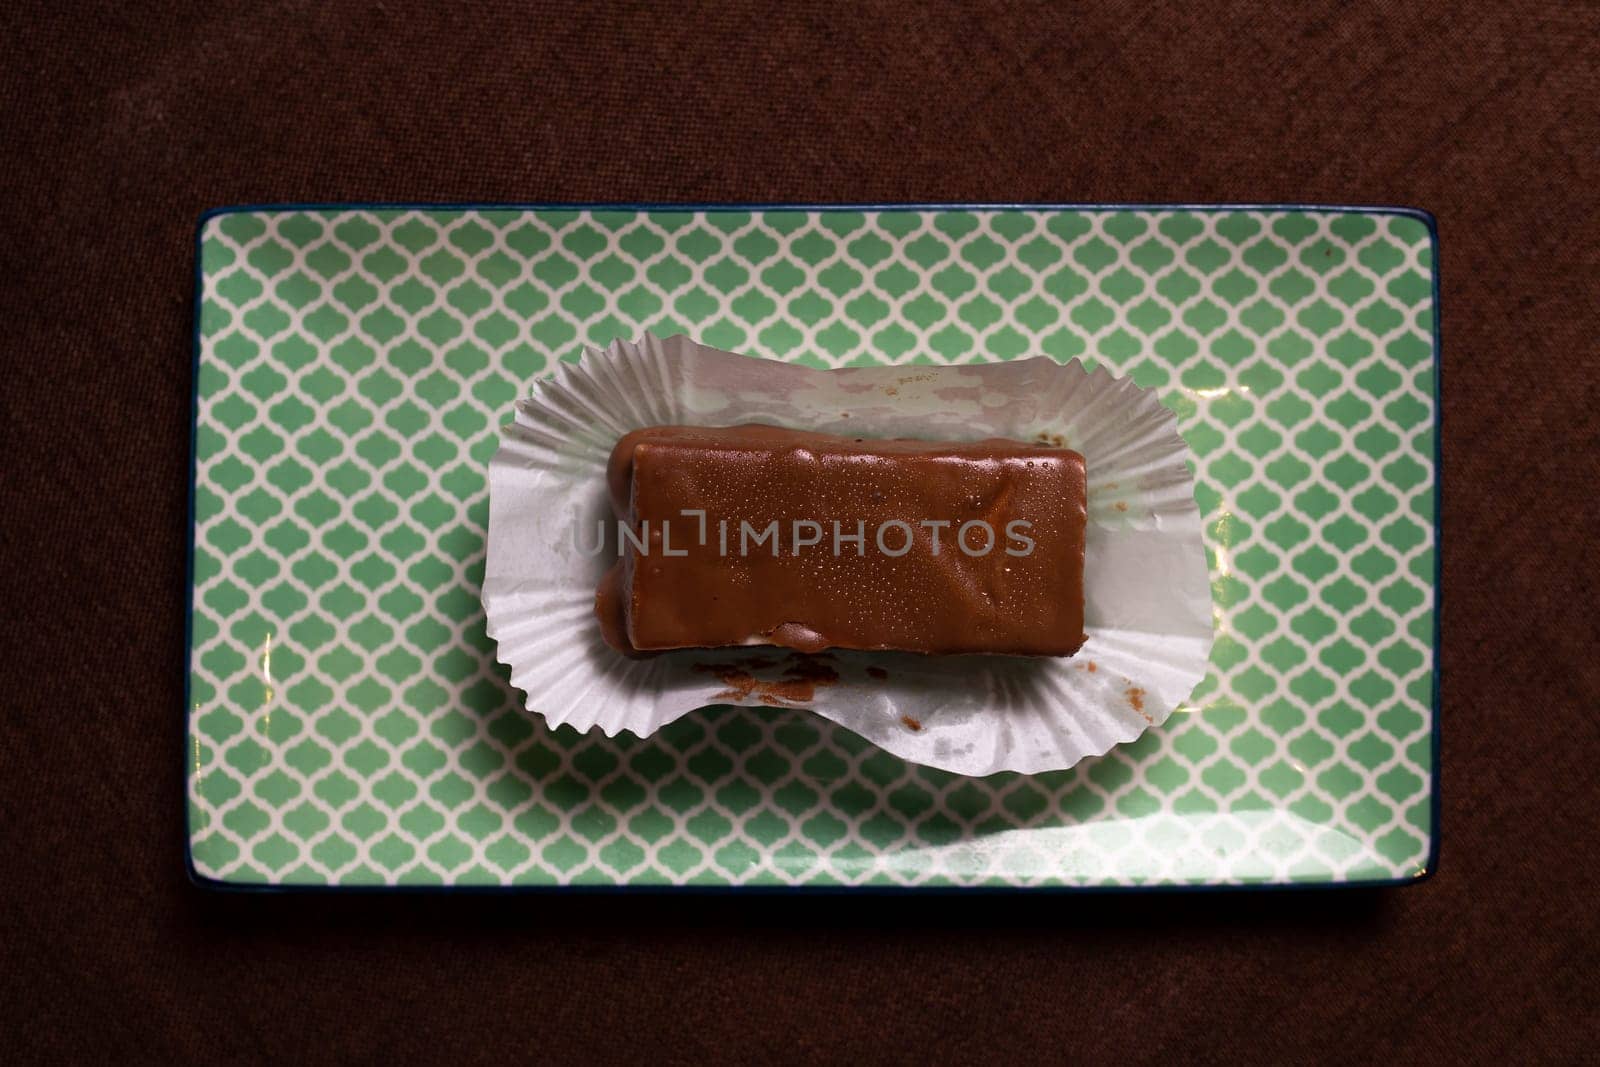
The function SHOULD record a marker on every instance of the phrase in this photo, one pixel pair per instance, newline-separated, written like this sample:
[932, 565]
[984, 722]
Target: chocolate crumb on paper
[1136, 701]
[912, 724]
[738, 680]
[801, 676]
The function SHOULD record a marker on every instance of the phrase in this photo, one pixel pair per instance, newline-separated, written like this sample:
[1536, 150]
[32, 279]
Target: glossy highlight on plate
[348, 724]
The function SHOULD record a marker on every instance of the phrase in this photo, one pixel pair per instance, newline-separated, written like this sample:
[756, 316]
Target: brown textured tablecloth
[119, 124]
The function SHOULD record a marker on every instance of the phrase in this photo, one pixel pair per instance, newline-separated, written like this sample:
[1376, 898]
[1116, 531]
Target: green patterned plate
[348, 724]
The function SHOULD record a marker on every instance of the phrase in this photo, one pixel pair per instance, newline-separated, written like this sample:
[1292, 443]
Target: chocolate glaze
[951, 602]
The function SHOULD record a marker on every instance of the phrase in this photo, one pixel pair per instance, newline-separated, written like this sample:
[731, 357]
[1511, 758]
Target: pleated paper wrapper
[1147, 594]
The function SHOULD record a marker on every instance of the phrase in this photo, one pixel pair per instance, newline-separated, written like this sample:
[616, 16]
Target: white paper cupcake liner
[1147, 596]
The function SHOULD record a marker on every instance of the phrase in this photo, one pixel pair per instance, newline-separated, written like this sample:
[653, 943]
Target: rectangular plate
[348, 724]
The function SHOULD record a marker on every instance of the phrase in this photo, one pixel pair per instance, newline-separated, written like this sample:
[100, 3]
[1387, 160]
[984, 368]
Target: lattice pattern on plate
[348, 723]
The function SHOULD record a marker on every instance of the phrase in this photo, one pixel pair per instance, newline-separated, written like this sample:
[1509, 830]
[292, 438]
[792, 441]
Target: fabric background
[120, 123]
